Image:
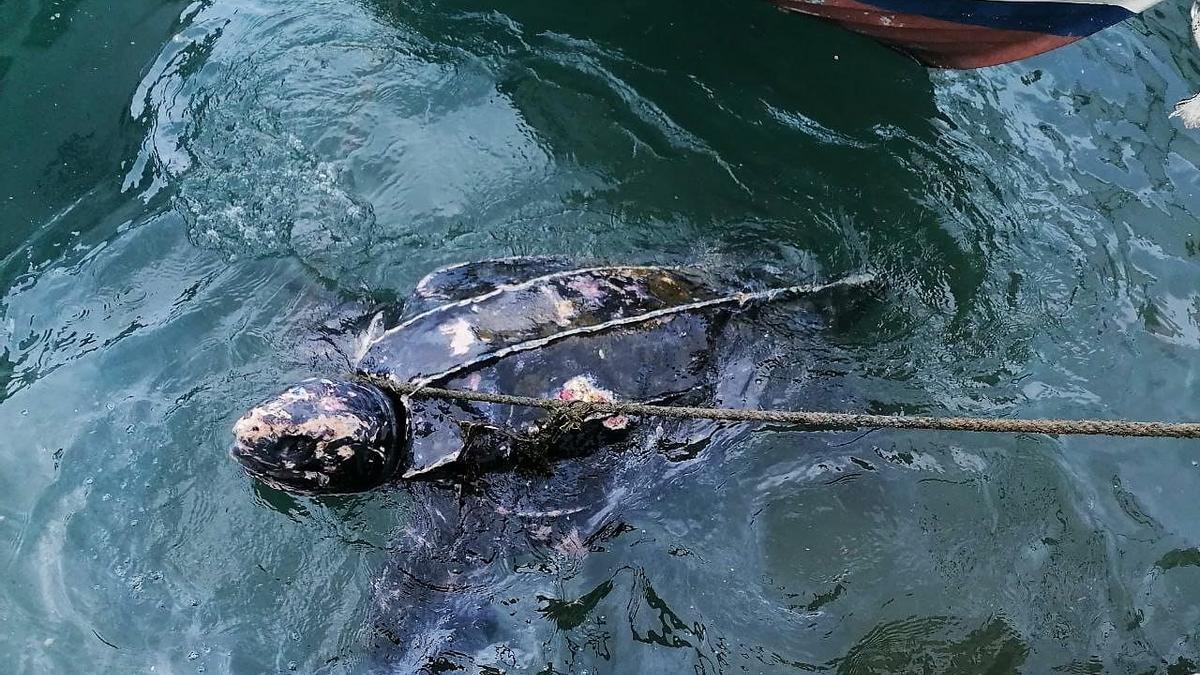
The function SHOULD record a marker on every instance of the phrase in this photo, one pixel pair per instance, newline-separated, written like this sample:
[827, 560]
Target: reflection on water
[238, 194]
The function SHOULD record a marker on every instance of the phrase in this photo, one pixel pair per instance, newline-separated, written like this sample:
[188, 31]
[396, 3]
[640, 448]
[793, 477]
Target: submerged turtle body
[528, 329]
[532, 328]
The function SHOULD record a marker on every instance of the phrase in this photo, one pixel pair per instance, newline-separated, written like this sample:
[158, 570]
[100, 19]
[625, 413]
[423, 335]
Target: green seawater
[193, 196]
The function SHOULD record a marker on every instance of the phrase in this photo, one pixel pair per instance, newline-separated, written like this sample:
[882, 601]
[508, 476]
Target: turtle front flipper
[440, 435]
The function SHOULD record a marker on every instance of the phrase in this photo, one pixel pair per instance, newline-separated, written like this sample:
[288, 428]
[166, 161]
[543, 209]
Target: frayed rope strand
[810, 419]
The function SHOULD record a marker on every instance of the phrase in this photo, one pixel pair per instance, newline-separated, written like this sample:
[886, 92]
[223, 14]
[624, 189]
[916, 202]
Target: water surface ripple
[205, 212]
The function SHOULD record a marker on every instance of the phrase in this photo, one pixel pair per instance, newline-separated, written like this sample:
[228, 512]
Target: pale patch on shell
[588, 287]
[582, 388]
[462, 336]
[564, 309]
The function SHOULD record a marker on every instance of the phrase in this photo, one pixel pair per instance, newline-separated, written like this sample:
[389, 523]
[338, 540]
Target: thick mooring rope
[576, 412]
[580, 410]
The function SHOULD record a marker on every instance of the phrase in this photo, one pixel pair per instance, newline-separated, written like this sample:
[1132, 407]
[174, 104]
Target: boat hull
[971, 33]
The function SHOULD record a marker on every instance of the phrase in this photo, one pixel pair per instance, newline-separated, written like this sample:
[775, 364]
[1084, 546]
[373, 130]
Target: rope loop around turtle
[572, 416]
[582, 411]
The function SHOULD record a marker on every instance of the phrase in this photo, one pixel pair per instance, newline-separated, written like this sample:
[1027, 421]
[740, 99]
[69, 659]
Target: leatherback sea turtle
[525, 326]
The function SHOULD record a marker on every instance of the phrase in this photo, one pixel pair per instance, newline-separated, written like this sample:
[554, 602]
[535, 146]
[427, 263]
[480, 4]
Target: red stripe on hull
[944, 44]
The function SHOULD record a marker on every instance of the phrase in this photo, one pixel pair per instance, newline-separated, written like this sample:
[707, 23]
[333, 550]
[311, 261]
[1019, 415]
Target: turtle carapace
[530, 327]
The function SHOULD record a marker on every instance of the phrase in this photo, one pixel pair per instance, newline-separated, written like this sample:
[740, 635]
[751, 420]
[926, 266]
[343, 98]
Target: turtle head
[322, 437]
